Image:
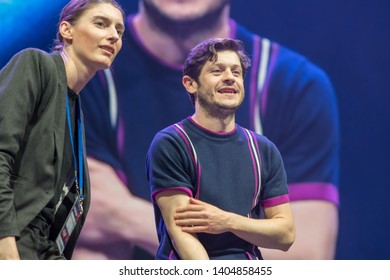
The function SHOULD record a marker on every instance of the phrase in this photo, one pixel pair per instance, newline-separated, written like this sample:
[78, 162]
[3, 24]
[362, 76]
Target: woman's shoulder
[29, 56]
[38, 58]
[32, 52]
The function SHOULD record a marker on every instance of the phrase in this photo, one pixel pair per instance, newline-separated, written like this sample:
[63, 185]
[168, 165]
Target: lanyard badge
[78, 163]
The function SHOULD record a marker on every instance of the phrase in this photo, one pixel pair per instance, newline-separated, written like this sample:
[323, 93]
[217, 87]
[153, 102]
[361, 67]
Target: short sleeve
[302, 120]
[168, 165]
[274, 190]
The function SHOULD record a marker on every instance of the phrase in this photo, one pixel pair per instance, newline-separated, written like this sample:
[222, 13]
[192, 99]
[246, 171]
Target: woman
[44, 183]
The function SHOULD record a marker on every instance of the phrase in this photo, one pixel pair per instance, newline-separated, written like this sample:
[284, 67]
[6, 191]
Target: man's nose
[228, 76]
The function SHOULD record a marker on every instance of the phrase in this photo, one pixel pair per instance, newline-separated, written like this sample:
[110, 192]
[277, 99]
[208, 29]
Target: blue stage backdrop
[349, 39]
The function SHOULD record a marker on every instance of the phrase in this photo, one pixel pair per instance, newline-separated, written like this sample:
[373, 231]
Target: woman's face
[96, 37]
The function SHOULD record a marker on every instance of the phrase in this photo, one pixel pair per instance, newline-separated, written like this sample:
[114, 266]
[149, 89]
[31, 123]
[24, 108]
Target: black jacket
[33, 88]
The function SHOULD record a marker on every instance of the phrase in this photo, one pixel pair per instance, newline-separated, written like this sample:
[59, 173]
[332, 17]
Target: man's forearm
[187, 245]
[266, 233]
[276, 232]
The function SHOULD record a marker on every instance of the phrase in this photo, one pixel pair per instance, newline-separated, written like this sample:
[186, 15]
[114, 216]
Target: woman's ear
[66, 31]
[190, 84]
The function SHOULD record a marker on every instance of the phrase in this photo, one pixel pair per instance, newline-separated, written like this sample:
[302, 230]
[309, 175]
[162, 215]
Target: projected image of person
[44, 182]
[289, 100]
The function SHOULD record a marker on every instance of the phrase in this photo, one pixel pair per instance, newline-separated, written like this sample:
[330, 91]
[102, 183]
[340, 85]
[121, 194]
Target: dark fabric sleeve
[168, 166]
[22, 81]
[274, 189]
[305, 128]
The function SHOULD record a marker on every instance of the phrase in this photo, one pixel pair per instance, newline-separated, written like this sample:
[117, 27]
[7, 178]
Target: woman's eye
[120, 32]
[100, 23]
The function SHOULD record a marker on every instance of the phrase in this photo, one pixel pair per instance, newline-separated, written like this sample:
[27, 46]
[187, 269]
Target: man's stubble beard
[217, 110]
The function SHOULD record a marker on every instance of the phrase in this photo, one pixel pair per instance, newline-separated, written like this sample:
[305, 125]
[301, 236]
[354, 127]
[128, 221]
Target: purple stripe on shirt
[275, 201]
[259, 167]
[254, 202]
[257, 149]
[272, 62]
[172, 256]
[253, 81]
[182, 189]
[120, 133]
[196, 164]
[187, 144]
[233, 29]
[314, 191]
[122, 176]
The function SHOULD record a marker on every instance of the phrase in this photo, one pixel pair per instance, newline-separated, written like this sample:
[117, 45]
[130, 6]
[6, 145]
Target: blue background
[350, 39]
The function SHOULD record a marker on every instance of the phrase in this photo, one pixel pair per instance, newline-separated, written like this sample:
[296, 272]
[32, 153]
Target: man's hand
[276, 231]
[200, 216]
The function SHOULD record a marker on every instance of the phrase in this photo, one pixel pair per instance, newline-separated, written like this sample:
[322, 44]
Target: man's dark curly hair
[208, 51]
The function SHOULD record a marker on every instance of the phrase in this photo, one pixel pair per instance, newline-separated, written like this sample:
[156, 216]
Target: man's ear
[66, 31]
[190, 84]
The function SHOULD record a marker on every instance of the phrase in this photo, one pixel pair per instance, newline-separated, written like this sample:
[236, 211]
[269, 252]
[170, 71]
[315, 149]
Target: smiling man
[220, 190]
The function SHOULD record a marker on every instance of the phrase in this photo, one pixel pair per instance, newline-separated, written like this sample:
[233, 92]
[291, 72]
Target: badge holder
[70, 223]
